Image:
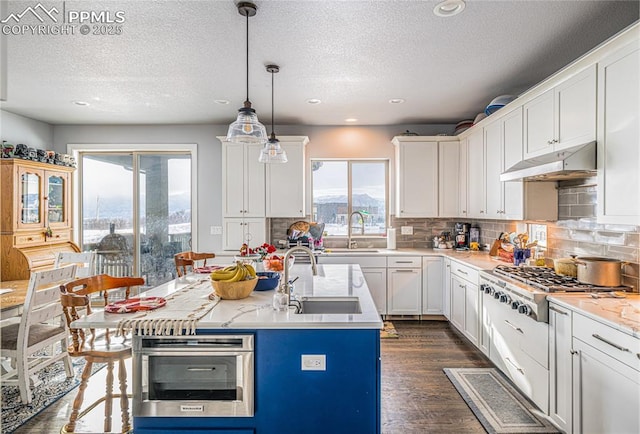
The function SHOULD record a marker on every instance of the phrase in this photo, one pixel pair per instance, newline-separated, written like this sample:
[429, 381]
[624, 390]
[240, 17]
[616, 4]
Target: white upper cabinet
[243, 179]
[494, 189]
[563, 116]
[449, 179]
[512, 147]
[285, 187]
[416, 177]
[475, 174]
[463, 187]
[618, 148]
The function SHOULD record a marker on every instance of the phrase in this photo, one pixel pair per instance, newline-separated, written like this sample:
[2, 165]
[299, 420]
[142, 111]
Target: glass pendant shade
[247, 128]
[272, 152]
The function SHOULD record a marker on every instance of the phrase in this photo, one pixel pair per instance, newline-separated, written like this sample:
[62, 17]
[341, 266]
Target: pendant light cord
[247, 57]
[272, 105]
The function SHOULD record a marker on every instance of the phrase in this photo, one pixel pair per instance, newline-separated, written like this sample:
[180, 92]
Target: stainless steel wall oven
[204, 375]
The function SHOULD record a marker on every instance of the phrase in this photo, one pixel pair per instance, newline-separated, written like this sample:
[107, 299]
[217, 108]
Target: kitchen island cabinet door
[618, 152]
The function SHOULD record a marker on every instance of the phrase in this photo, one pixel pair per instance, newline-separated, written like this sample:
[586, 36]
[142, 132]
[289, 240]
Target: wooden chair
[25, 338]
[185, 260]
[85, 262]
[74, 297]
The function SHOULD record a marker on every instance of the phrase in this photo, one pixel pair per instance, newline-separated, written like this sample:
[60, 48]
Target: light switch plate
[314, 362]
[406, 230]
[215, 230]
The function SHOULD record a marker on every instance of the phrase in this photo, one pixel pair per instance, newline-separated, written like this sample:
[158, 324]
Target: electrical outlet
[314, 362]
[215, 230]
[406, 230]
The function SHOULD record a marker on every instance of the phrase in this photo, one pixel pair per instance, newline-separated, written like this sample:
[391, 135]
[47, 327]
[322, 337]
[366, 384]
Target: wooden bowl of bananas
[234, 282]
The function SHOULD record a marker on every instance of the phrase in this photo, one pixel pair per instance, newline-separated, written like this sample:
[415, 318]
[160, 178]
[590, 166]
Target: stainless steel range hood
[572, 163]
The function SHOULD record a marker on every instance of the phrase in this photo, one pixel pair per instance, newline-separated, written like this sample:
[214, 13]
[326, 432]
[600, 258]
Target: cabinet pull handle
[555, 309]
[404, 262]
[463, 272]
[614, 345]
[638, 355]
[573, 352]
[520, 370]
[514, 327]
[481, 212]
[404, 271]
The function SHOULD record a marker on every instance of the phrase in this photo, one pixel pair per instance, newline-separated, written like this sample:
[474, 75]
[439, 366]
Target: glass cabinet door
[30, 197]
[56, 198]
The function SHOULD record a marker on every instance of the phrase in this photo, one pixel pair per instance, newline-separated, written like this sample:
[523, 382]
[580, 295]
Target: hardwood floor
[417, 397]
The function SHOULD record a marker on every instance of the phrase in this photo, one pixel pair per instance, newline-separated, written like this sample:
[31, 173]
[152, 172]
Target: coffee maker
[461, 232]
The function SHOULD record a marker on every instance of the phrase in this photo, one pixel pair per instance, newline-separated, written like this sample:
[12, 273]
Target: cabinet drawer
[28, 239]
[617, 344]
[363, 261]
[59, 237]
[464, 271]
[404, 262]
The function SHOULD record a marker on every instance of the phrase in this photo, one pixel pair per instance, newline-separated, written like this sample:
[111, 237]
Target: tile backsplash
[575, 233]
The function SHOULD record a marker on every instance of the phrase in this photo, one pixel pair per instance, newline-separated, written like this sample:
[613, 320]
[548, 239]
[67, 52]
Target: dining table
[12, 296]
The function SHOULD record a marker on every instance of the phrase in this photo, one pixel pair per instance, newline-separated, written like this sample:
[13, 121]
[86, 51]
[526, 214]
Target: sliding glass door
[136, 211]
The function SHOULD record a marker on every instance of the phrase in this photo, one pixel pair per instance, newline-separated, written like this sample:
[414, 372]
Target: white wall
[19, 129]
[324, 142]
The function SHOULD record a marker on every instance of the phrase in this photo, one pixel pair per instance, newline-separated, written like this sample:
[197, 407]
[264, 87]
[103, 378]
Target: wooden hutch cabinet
[35, 216]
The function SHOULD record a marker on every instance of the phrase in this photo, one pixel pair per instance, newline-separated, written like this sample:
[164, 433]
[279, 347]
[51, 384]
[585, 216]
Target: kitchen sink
[328, 305]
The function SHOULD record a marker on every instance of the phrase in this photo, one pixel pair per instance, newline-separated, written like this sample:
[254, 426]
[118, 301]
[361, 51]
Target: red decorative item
[135, 304]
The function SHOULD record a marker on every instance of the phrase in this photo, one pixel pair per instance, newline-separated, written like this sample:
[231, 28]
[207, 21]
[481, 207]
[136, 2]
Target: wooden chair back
[75, 297]
[85, 262]
[186, 260]
[39, 327]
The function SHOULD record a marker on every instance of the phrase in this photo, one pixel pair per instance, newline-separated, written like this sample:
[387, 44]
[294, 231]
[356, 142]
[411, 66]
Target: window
[135, 209]
[342, 187]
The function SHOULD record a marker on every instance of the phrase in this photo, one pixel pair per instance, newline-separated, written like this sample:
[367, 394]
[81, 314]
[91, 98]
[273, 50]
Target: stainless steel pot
[599, 271]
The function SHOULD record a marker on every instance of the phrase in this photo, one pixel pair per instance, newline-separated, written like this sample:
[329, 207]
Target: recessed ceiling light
[81, 103]
[351, 120]
[221, 101]
[449, 8]
[313, 101]
[396, 101]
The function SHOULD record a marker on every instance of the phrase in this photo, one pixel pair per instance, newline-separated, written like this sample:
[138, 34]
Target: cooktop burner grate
[547, 280]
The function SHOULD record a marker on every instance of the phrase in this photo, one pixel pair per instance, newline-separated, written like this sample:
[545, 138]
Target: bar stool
[188, 259]
[85, 343]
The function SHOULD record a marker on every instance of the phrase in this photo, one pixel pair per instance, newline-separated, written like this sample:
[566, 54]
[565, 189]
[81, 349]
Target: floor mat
[388, 331]
[499, 406]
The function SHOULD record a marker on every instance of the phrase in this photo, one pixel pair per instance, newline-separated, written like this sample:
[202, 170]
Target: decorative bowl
[267, 280]
[234, 290]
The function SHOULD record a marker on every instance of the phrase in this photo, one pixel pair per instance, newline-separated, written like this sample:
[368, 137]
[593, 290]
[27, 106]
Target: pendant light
[247, 128]
[272, 152]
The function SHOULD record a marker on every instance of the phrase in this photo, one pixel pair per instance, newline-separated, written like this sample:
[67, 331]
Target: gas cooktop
[545, 279]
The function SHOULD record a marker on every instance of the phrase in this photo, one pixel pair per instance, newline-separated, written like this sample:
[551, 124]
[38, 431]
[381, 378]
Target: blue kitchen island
[307, 373]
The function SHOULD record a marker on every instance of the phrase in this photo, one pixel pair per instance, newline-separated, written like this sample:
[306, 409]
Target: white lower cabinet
[465, 301]
[606, 379]
[432, 300]
[374, 270]
[404, 285]
[560, 366]
[237, 231]
[377, 282]
[446, 288]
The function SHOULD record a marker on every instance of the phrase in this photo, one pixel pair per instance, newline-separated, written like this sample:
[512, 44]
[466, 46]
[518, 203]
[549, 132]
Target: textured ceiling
[175, 58]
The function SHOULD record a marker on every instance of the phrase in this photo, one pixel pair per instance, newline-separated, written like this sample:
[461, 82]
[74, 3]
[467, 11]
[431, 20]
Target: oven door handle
[191, 368]
[518, 329]
[192, 352]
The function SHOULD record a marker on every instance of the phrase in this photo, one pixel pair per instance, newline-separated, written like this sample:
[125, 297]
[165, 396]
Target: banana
[223, 275]
[239, 275]
[251, 270]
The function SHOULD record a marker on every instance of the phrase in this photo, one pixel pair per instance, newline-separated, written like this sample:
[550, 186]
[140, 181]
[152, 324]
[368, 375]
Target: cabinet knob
[464, 211]
[574, 352]
[481, 212]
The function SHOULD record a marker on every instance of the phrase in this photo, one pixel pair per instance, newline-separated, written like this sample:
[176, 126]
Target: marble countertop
[620, 313]
[256, 312]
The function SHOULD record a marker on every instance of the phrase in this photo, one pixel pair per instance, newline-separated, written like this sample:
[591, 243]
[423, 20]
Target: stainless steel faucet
[352, 244]
[285, 286]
